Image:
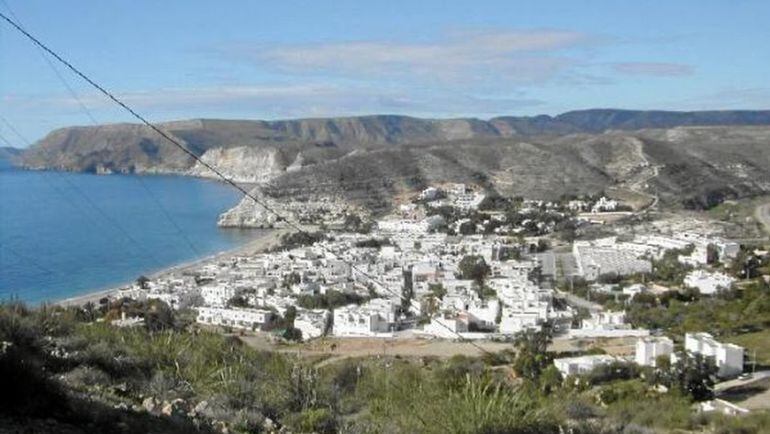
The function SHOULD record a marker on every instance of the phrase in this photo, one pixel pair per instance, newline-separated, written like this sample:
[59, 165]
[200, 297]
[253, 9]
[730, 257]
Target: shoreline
[259, 244]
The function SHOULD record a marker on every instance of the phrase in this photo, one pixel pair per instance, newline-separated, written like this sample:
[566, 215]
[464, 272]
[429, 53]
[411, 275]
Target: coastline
[261, 243]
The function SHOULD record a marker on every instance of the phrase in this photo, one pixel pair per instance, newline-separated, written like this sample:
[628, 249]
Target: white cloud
[282, 101]
[517, 57]
[656, 69]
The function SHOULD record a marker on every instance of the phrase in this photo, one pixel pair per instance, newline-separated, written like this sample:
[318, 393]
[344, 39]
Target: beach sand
[266, 240]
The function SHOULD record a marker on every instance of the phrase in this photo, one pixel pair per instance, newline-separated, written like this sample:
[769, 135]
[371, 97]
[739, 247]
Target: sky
[291, 59]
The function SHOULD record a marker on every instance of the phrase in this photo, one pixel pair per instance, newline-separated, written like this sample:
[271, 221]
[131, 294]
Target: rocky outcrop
[249, 214]
[314, 209]
[241, 164]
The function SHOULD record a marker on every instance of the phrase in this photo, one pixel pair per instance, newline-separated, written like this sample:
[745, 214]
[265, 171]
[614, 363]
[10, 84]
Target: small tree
[238, 301]
[290, 333]
[438, 290]
[143, 281]
[531, 352]
[475, 268]
[291, 279]
[693, 375]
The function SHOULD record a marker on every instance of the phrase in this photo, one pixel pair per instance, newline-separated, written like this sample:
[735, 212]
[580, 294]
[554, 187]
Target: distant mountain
[9, 153]
[134, 148]
[700, 157]
[600, 120]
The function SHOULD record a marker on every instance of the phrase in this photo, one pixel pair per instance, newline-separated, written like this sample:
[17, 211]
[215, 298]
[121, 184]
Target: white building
[376, 316]
[708, 283]
[605, 256]
[648, 350]
[429, 193]
[513, 322]
[604, 204]
[581, 365]
[605, 321]
[446, 328]
[312, 323]
[217, 295]
[606, 324]
[244, 318]
[728, 357]
[633, 290]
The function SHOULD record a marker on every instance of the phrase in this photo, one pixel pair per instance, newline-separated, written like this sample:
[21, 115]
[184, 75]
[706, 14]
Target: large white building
[728, 357]
[708, 283]
[648, 349]
[244, 318]
[606, 257]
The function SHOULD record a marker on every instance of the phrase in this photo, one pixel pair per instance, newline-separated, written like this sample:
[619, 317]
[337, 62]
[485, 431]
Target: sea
[66, 234]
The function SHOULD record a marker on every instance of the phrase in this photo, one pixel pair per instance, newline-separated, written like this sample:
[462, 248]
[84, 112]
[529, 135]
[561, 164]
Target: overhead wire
[106, 216]
[93, 120]
[219, 173]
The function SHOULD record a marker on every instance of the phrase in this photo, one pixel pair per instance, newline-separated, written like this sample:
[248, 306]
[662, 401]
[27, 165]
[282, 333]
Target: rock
[199, 408]
[221, 427]
[268, 424]
[242, 163]
[175, 408]
[150, 404]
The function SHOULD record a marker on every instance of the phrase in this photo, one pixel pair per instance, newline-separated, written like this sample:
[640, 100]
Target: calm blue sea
[66, 234]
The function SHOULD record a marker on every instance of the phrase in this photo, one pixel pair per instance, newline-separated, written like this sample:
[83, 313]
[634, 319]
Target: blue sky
[288, 59]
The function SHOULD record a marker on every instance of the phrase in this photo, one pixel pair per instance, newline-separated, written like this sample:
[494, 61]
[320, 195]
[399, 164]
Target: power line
[90, 116]
[218, 173]
[90, 202]
[25, 258]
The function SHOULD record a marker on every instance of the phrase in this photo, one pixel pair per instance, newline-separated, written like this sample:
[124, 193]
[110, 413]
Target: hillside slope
[369, 160]
[133, 148]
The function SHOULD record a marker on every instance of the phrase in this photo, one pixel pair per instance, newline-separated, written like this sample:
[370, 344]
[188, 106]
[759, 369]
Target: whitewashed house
[708, 283]
[648, 349]
[376, 316]
[244, 318]
[446, 327]
[312, 323]
[581, 365]
[728, 357]
[217, 295]
[604, 204]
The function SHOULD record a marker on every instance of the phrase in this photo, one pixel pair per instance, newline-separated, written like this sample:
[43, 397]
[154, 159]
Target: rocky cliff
[242, 163]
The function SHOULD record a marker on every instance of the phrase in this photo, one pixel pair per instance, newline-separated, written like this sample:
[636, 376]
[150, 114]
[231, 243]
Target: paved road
[726, 385]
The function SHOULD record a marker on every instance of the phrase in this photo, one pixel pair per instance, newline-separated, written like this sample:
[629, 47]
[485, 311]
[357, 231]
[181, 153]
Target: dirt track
[762, 214]
[336, 349]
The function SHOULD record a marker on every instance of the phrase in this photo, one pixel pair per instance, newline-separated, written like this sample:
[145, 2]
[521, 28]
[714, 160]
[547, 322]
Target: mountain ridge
[715, 154]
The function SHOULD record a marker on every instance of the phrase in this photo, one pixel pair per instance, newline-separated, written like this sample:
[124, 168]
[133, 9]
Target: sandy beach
[266, 240]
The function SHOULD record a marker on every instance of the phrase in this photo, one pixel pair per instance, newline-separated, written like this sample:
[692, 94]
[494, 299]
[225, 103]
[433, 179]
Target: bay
[66, 234]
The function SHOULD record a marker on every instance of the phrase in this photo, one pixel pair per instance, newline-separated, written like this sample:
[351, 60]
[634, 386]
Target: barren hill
[372, 158]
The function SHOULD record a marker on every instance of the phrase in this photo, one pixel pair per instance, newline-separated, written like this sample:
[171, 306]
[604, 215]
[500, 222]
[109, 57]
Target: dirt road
[332, 350]
[762, 214]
